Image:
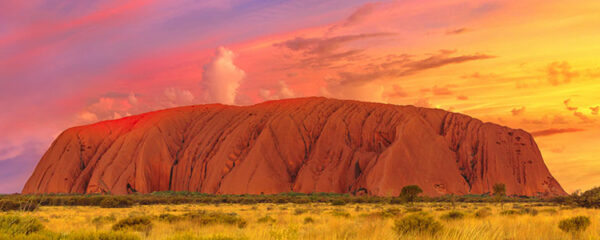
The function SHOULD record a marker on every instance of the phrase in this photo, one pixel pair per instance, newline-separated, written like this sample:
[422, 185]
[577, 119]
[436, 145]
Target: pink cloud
[222, 78]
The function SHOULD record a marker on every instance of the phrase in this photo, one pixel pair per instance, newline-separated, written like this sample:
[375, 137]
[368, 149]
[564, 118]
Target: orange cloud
[568, 105]
[553, 131]
[440, 91]
[560, 73]
[595, 110]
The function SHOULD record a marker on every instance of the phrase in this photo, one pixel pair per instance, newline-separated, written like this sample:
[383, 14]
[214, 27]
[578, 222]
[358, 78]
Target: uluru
[302, 145]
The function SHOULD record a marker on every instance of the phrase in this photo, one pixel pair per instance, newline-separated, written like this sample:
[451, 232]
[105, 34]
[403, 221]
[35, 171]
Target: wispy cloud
[409, 66]
[553, 131]
[357, 16]
[457, 31]
[560, 73]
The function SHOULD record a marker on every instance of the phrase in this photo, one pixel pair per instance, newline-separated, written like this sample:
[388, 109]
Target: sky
[533, 65]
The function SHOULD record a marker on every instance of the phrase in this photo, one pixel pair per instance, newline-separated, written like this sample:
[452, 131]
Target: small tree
[499, 192]
[410, 192]
[499, 189]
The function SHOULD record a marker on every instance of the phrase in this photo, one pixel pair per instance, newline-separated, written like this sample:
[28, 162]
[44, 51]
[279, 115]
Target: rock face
[301, 145]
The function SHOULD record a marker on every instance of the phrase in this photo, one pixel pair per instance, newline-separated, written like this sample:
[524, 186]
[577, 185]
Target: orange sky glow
[533, 65]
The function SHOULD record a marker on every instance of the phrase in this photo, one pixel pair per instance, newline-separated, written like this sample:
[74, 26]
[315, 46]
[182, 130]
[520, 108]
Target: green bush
[419, 223]
[588, 199]
[15, 225]
[574, 224]
[116, 202]
[453, 215]
[14, 205]
[9, 205]
[138, 223]
[410, 192]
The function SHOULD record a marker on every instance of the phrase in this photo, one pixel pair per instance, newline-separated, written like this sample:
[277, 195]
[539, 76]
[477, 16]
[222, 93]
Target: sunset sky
[529, 64]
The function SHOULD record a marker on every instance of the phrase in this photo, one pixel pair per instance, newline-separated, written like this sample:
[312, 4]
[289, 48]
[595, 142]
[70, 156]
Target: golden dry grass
[352, 221]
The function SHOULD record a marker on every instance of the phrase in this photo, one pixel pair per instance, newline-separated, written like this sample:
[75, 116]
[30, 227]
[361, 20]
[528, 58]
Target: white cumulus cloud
[222, 78]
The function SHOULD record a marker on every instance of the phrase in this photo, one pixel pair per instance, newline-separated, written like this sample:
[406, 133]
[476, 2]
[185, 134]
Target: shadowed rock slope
[301, 145]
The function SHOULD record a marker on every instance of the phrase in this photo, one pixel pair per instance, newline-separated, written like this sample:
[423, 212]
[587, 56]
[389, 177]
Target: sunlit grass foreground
[302, 221]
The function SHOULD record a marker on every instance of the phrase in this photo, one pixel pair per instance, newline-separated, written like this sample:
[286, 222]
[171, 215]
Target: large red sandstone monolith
[301, 145]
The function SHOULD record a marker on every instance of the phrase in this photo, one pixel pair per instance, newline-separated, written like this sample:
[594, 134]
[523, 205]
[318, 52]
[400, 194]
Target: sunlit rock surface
[301, 145]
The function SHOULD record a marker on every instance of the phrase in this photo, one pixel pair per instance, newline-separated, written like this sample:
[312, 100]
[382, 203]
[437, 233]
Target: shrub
[390, 212]
[397, 200]
[338, 202]
[340, 213]
[588, 199]
[483, 213]
[308, 220]
[530, 211]
[574, 224]
[248, 201]
[499, 189]
[413, 209]
[138, 223]
[300, 211]
[15, 205]
[101, 220]
[387, 213]
[114, 202]
[419, 223]
[208, 218]
[266, 219]
[15, 225]
[410, 192]
[453, 215]
[167, 217]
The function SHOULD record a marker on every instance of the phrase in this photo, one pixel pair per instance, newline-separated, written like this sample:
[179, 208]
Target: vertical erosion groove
[196, 138]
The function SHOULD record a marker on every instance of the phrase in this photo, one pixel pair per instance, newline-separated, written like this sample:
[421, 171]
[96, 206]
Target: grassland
[313, 220]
